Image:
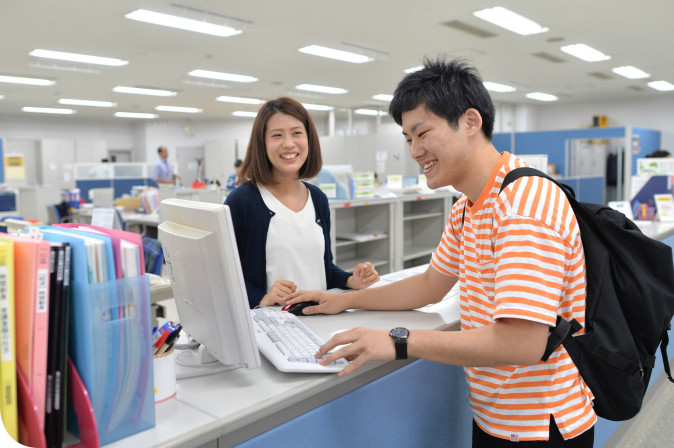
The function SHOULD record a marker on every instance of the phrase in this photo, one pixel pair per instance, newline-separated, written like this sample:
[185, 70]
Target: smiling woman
[282, 224]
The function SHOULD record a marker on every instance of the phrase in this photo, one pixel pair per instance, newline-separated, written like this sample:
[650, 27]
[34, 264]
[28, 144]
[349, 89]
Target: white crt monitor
[205, 272]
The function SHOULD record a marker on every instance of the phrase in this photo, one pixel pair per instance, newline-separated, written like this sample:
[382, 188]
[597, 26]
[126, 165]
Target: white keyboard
[288, 343]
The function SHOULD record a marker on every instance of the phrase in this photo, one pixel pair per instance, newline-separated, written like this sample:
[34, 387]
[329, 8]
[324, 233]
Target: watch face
[399, 332]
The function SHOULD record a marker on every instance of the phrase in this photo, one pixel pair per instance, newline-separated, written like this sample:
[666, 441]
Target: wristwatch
[399, 336]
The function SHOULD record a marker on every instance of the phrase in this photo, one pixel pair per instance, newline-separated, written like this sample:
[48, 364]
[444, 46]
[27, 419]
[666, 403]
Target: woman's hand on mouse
[328, 303]
[363, 276]
[278, 291]
[360, 346]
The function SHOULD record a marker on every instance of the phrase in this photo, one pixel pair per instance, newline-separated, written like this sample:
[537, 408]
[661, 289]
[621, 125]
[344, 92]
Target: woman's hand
[363, 276]
[278, 292]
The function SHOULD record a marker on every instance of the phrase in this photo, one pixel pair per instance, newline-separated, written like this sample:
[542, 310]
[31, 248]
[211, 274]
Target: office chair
[58, 213]
[154, 255]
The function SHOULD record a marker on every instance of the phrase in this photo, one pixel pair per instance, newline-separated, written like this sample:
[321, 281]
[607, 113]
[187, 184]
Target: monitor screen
[203, 264]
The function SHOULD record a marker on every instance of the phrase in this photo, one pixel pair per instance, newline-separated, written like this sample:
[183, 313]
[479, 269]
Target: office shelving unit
[362, 230]
[421, 220]
[393, 233]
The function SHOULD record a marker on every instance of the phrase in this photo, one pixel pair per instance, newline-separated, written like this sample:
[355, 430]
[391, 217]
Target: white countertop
[243, 403]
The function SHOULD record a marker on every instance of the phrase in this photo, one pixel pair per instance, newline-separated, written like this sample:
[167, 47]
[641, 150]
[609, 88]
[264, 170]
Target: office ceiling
[396, 33]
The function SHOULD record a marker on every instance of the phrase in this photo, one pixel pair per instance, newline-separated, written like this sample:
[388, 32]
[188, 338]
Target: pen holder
[164, 376]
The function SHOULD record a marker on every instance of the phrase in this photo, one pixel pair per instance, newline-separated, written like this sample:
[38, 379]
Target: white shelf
[349, 264]
[422, 216]
[414, 225]
[342, 242]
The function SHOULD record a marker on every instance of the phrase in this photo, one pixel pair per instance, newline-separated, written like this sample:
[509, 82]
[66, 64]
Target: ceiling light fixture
[135, 115]
[198, 26]
[662, 86]
[222, 76]
[413, 69]
[369, 112]
[242, 113]
[30, 81]
[240, 100]
[540, 96]
[143, 91]
[72, 102]
[585, 52]
[65, 68]
[631, 72]
[510, 20]
[500, 88]
[331, 53]
[316, 107]
[186, 110]
[383, 97]
[2, 97]
[48, 110]
[75, 57]
[321, 89]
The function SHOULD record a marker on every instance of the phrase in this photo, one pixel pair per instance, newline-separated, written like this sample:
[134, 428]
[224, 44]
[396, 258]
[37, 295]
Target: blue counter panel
[423, 404]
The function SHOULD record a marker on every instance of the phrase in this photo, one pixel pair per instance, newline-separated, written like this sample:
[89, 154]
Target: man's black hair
[447, 89]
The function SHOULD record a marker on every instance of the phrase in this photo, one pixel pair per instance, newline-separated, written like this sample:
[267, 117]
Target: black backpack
[629, 306]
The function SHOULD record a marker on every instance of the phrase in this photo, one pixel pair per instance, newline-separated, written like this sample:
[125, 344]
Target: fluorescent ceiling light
[241, 113]
[540, 96]
[585, 52]
[187, 110]
[321, 89]
[413, 69]
[48, 110]
[662, 86]
[72, 102]
[316, 107]
[198, 26]
[74, 57]
[369, 112]
[331, 53]
[511, 21]
[31, 81]
[496, 87]
[383, 97]
[142, 91]
[236, 99]
[134, 115]
[2, 97]
[222, 76]
[631, 72]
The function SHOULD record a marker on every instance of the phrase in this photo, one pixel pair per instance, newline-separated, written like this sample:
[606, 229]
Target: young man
[162, 173]
[517, 256]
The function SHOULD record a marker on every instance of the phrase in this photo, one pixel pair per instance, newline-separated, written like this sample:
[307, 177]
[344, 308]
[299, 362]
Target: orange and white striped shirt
[518, 254]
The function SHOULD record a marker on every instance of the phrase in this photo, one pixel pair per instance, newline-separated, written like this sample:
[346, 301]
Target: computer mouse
[297, 308]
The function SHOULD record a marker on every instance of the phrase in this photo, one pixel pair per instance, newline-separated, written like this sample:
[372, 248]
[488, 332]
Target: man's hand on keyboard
[328, 303]
[361, 345]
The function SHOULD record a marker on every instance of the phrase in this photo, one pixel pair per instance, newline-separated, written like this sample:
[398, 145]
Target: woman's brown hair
[256, 166]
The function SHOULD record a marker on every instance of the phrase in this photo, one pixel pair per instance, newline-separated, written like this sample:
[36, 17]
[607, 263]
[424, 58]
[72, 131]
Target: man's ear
[472, 121]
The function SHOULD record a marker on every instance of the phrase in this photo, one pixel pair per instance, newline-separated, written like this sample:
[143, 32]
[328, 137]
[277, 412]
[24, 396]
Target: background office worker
[519, 260]
[162, 173]
[282, 224]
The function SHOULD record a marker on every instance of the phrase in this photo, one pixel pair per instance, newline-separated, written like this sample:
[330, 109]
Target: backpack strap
[515, 174]
[562, 329]
[663, 349]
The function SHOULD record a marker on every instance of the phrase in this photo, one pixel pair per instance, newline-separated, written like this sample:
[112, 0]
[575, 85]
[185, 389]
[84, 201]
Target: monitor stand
[194, 362]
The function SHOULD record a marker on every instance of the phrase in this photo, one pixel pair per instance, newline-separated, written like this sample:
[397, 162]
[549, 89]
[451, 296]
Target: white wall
[143, 138]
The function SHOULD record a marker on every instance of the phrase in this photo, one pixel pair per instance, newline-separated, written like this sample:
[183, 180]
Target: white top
[295, 245]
